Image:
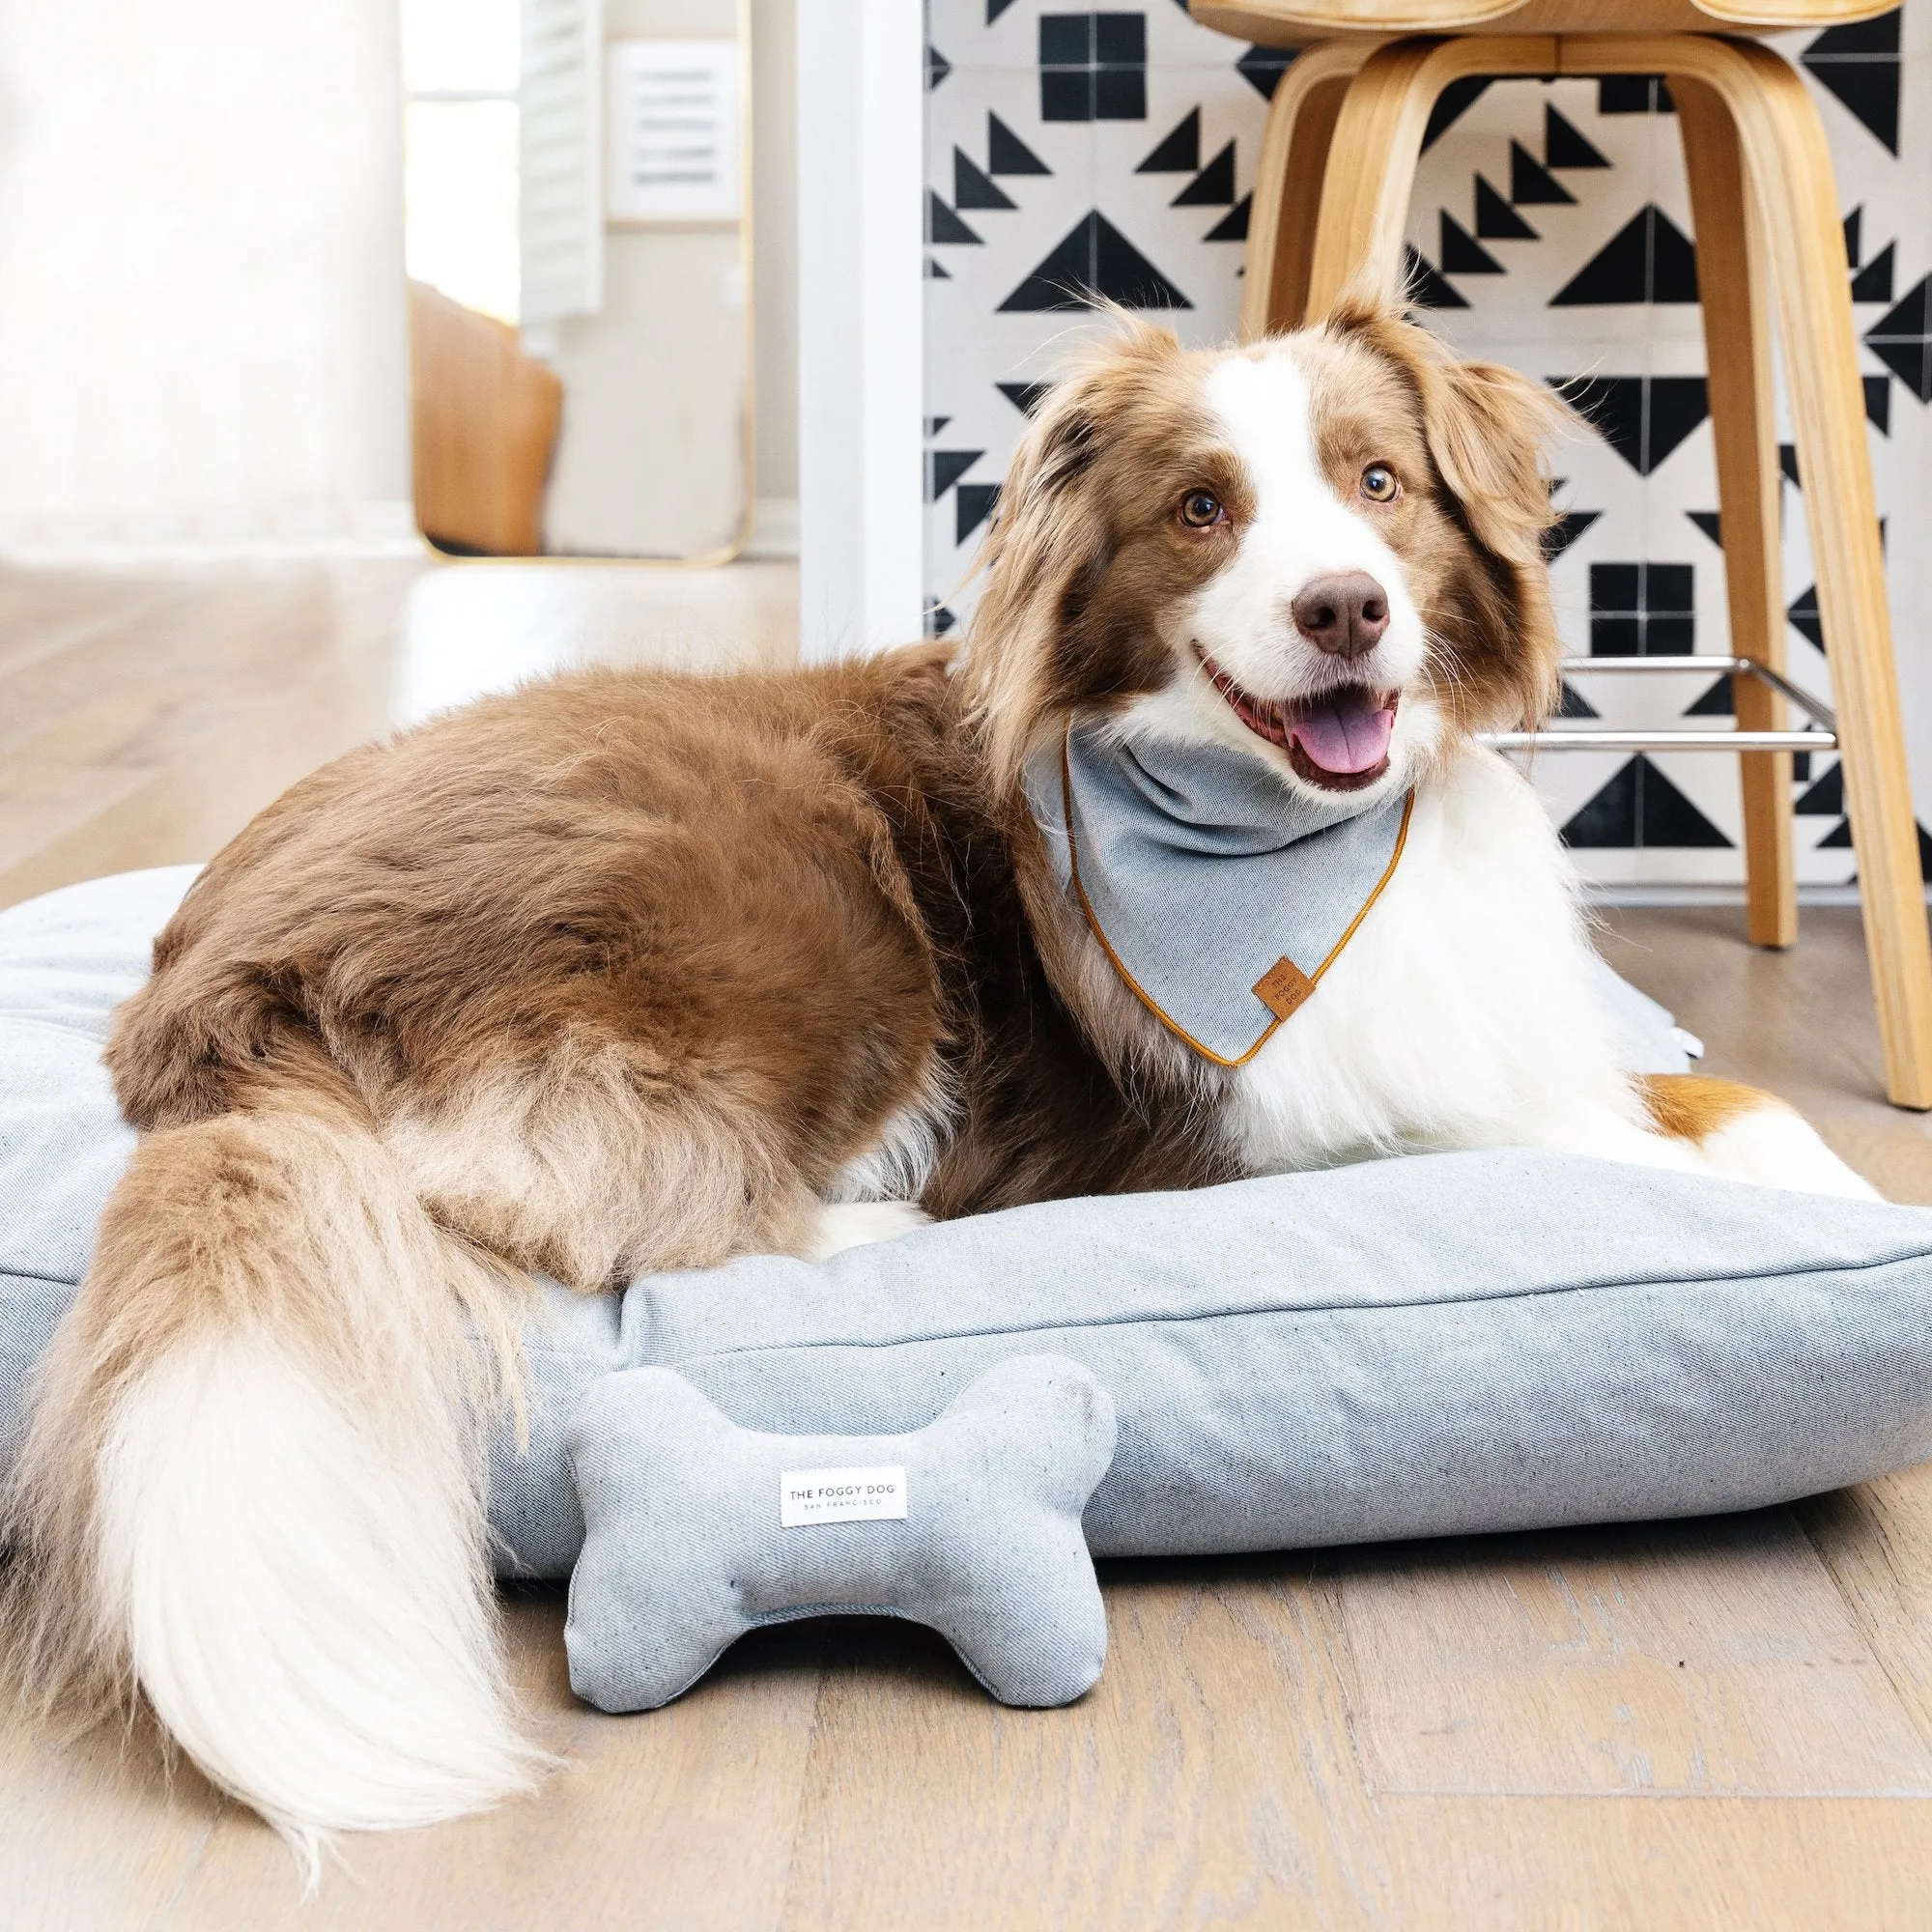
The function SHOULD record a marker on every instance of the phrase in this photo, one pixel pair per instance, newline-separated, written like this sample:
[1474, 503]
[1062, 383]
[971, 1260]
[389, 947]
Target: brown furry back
[776, 908]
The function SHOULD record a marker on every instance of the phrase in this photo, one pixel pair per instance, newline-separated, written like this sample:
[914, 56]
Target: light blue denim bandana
[1220, 895]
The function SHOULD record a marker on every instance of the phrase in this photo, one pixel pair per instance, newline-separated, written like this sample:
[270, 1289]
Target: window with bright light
[460, 61]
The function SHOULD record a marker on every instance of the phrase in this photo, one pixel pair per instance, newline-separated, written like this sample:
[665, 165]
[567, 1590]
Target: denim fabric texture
[684, 1548]
[1201, 869]
[1499, 1339]
[67, 961]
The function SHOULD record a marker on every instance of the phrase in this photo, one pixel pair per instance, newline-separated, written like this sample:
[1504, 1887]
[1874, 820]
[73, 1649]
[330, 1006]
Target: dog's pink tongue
[1349, 732]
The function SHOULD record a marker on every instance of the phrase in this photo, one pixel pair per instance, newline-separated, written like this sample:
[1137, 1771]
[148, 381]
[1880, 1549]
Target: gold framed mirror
[578, 240]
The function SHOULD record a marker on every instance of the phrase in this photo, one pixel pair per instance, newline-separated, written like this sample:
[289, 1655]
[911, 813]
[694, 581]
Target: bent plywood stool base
[1765, 207]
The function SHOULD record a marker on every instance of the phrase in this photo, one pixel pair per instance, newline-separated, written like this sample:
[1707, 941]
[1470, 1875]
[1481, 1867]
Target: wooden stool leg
[1788, 172]
[1732, 286]
[1378, 132]
[1790, 169]
[1288, 185]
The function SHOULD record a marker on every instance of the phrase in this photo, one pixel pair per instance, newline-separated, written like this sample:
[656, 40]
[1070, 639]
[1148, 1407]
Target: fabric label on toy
[808, 1497]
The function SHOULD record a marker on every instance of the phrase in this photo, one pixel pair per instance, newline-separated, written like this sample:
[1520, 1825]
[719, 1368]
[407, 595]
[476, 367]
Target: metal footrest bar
[1659, 741]
[1583, 738]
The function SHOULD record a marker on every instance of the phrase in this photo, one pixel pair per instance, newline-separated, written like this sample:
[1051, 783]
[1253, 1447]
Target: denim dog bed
[1445, 1342]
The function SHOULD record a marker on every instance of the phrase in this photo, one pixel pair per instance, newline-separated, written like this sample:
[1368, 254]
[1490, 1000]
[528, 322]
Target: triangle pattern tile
[1803, 617]
[943, 468]
[1094, 260]
[1643, 418]
[1861, 39]
[1634, 94]
[1424, 287]
[1234, 225]
[1650, 259]
[1840, 838]
[1565, 531]
[972, 189]
[1263, 68]
[1668, 817]
[1179, 151]
[1609, 820]
[1564, 147]
[1213, 186]
[1531, 182]
[1462, 253]
[1451, 105]
[1496, 219]
[1122, 273]
[1859, 65]
[1024, 397]
[941, 225]
[1873, 282]
[1006, 154]
[973, 505]
[1825, 798]
[1640, 807]
[1674, 406]
[1878, 402]
[1902, 341]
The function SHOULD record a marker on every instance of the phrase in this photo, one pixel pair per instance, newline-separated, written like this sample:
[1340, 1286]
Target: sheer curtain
[202, 323]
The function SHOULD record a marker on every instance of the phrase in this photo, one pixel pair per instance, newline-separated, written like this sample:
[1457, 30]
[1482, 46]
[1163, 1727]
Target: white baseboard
[372, 529]
[773, 527]
[1714, 896]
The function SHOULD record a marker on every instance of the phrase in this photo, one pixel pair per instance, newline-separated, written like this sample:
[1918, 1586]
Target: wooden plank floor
[1720, 1724]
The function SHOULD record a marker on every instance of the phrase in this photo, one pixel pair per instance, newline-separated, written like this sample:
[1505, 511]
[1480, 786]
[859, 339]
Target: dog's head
[1325, 549]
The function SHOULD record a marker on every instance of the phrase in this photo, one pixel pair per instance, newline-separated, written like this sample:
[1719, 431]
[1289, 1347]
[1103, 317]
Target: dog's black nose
[1343, 615]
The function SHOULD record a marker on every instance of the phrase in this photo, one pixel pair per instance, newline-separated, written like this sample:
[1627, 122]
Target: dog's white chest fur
[1463, 1014]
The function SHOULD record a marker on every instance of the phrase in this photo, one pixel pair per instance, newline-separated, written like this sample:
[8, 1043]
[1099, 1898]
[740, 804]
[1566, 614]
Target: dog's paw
[1776, 1148]
[852, 1224]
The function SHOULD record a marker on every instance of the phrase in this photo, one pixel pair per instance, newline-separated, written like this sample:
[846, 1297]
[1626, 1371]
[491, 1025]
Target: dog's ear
[1487, 428]
[1048, 541]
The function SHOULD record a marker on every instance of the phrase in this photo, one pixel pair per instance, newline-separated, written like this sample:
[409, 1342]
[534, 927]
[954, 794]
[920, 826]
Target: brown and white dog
[627, 972]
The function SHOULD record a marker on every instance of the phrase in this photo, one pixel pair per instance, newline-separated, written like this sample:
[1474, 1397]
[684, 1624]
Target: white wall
[650, 458]
[861, 144]
[201, 295]
[202, 328]
[775, 242]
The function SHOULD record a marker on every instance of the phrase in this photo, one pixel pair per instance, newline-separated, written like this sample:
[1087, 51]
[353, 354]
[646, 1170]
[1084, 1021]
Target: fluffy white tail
[252, 1482]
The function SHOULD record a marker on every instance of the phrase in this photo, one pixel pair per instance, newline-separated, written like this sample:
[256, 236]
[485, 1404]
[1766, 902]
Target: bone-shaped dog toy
[696, 1531]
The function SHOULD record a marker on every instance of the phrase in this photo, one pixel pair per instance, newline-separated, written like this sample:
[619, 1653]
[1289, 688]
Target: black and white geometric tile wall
[1115, 150]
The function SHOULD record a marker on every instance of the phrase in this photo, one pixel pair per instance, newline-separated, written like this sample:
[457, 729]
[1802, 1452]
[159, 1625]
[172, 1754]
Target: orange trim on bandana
[1139, 991]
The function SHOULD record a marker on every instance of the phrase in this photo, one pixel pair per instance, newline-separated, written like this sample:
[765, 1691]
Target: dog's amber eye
[1378, 484]
[1198, 509]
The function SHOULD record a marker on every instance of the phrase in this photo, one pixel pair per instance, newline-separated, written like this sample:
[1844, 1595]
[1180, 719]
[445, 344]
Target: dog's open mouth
[1339, 740]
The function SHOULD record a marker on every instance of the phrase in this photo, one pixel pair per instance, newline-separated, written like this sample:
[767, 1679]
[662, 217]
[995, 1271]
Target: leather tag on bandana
[1282, 987]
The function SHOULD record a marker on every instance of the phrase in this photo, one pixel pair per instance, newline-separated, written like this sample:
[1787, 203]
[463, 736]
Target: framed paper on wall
[673, 137]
